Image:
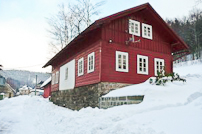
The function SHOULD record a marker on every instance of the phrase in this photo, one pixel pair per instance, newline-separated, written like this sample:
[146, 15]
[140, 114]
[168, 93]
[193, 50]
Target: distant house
[25, 90]
[39, 85]
[2, 81]
[121, 49]
[47, 88]
[5, 89]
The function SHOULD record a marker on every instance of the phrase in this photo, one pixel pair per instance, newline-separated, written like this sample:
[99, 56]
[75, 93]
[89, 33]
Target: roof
[180, 45]
[46, 82]
[25, 87]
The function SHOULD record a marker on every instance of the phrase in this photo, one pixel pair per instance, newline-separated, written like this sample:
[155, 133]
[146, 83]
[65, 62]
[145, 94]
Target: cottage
[2, 81]
[6, 91]
[122, 49]
[25, 90]
[46, 86]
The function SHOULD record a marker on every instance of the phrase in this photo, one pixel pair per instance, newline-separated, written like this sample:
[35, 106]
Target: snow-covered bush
[163, 77]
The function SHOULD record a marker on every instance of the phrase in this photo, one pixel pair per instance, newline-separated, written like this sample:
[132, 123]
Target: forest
[189, 28]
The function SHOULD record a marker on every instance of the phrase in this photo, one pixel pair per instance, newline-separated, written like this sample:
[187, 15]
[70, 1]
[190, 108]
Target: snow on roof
[25, 87]
[46, 82]
[37, 90]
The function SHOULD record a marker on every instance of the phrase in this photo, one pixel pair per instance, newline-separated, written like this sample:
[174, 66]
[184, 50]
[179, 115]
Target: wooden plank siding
[117, 31]
[93, 77]
[108, 69]
[90, 43]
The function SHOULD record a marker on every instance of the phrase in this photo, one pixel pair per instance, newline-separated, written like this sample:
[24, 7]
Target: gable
[148, 15]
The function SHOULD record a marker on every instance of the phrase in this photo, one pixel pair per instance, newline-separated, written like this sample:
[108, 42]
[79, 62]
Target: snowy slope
[173, 109]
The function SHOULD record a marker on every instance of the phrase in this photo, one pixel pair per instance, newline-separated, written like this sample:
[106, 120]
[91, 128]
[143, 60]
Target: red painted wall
[90, 43]
[47, 91]
[117, 31]
[109, 73]
[93, 77]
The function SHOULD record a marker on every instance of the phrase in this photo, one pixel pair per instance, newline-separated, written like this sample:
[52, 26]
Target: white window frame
[66, 73]
[136, 25]
[80, 66]
[57, 77]
[117, 61]
[53, 78]
[139, 70]
[91, 63]
[155, 65]
[145, 31]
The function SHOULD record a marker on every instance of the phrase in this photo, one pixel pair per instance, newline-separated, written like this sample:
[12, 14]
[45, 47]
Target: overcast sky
[23, 36]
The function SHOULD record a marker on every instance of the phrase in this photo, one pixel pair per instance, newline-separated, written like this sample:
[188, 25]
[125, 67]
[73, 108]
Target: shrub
[163, 77]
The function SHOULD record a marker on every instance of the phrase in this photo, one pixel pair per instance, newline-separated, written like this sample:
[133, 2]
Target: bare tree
[59, 29]
[70, 21]
[196, 30]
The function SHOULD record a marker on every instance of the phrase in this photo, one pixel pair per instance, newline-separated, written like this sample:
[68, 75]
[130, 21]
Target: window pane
[132, 27]
[144, 69]
[124, 57]
[161, 63]
[124, 61]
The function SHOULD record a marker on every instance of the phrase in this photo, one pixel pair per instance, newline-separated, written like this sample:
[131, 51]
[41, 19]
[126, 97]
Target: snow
[175, 108]
[25, 87]
[46, 82]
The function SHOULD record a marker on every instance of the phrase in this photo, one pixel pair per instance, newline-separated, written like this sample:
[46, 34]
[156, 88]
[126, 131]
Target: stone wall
[84, 96]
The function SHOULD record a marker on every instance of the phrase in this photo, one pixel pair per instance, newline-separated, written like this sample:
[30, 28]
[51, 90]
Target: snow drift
[175, 108]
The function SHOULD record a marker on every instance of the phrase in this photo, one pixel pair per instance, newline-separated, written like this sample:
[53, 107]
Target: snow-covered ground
[175, 108]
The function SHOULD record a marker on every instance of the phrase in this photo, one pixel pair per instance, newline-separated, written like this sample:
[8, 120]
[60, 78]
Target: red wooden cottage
[47, 88]
[122, 49]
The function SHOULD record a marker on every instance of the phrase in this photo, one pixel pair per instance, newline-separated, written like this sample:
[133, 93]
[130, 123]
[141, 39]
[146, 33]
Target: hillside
[175, 108]
[22, 77]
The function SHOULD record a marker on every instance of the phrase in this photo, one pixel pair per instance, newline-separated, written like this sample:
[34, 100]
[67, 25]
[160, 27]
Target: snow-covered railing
[107, 102]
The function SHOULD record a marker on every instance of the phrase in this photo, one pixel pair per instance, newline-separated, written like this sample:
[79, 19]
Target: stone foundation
[85, 96]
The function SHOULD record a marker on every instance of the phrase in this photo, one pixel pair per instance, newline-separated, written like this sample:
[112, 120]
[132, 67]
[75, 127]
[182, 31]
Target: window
[159, 65]
[134, 27]
[57, 77]
[147, 31]
[53, 79]
[142, 64]
[91, 62]
[66, 73]
[80, 67]
[121, 61]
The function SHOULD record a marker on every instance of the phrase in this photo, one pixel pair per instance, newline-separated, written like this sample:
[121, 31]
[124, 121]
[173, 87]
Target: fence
[107, 102]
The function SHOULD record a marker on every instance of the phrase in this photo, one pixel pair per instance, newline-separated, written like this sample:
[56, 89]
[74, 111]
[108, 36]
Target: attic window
[147, 31]
[142, 64]
[134, 27]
